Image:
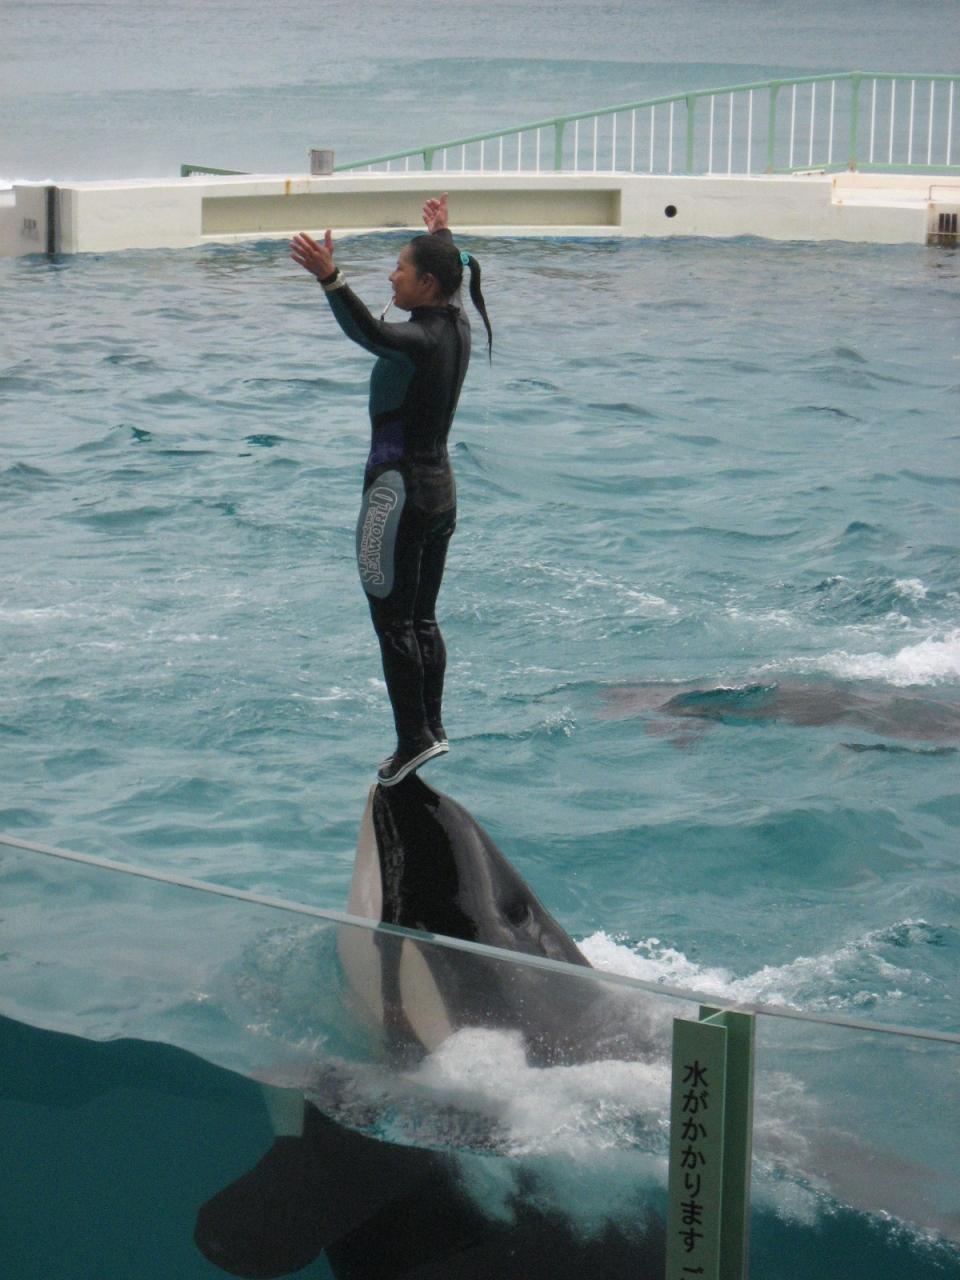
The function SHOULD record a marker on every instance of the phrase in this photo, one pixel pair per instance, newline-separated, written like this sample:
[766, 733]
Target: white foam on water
[589, 1139]
[651, 961]
[931, 661]
[605, 1119]
[572, 1111]
[800, 1156]
[935, 660]
[831, 980]
[45, 614]
[579, 583]
[912, 588]
[773, 617]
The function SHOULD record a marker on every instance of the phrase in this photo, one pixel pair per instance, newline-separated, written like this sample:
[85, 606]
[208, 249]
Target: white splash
[931, 661]
[571, 1111]
[831, 980]
[590, 1135]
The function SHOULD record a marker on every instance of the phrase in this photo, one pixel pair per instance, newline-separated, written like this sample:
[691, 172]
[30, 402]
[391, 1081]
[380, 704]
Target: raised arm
[435, 215]
[392, 341]
[313, 257]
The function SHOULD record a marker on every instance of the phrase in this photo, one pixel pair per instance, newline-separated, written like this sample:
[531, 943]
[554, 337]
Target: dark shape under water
[138, 1133]
[386, 1212]
[901, 714]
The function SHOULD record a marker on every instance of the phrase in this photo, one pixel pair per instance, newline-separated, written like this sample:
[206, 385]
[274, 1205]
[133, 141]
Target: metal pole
[53, 221]
[711, 1125]
[930, 124]
[653, 121]
[710, 144]
[730, 138]
[750, 132]
[691, 104]
[854, 121]
[772, 125]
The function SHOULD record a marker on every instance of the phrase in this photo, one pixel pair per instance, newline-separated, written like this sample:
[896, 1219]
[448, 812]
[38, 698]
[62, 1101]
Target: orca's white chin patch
[362, 957]
[366, 887]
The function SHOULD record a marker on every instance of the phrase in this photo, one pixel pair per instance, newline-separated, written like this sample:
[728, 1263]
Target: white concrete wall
[97, 217]
[9, 240]
[177, 213]
[799, 207]
[23, 221]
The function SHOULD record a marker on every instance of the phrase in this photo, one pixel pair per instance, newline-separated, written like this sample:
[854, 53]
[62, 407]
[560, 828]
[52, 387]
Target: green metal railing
[188, 170]
[850, 120]
[853, 120]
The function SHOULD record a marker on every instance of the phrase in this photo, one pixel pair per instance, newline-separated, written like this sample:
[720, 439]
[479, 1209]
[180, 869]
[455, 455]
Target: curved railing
[858, 120]
[854, 120]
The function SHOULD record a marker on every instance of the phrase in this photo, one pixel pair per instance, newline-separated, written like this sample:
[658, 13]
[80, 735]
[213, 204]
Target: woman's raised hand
[313, 257]
[435, 214]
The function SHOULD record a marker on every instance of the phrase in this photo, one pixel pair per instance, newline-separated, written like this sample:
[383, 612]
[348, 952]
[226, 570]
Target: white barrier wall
[23, 221]
[97, 217]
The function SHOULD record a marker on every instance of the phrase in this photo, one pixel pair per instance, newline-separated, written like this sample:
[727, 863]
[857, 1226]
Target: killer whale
[906, 715]
[424, 863]
[379, 1211]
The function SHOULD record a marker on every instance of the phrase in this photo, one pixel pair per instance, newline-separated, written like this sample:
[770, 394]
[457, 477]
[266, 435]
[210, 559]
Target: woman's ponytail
[476, 297]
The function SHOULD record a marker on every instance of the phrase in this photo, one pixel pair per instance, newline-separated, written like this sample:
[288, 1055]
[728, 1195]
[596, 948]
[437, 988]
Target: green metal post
[695, 1186]
[772, 125]
[691, 103]
[711, 1119]
[738, 1139]
[428, 158]
[558, 145]
[854, 119]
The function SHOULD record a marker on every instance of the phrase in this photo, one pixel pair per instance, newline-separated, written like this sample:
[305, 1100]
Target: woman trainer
[409, 505]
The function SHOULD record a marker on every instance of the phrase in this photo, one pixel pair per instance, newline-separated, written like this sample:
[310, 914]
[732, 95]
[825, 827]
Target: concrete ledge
[98, 217]
[286, 213]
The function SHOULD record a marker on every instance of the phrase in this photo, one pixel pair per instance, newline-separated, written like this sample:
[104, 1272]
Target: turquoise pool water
[690, 466]
[704, 629]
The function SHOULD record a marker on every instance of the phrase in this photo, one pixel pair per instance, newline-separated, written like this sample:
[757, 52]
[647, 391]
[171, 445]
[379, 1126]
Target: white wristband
[339, 281]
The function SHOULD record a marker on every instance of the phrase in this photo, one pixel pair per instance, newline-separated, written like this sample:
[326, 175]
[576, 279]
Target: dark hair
[440, 257]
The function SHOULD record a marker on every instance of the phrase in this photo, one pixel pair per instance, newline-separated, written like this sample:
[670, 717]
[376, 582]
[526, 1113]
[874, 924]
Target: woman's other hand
[435, 214]
[313, 257]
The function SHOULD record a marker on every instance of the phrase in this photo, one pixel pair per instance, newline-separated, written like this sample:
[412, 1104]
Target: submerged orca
[904, 714]
[386, 1212]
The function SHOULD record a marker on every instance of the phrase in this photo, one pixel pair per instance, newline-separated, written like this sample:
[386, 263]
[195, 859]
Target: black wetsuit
[409, 505]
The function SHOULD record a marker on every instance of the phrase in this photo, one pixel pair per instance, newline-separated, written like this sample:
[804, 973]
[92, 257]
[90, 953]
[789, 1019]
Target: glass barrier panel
[856, 1153]
[227, 1085]
[402, 1105]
